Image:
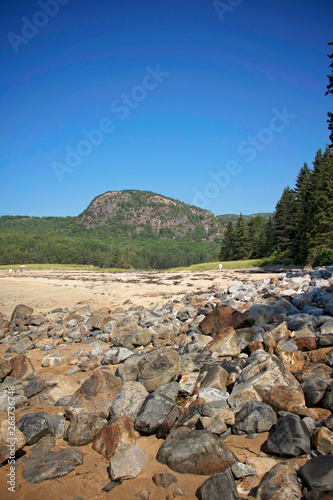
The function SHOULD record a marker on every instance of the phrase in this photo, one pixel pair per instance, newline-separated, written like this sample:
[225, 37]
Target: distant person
[91, 268]
[10, 271]
[220, 266]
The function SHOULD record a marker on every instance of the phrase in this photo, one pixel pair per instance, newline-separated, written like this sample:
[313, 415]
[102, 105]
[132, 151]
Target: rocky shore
[199, 374]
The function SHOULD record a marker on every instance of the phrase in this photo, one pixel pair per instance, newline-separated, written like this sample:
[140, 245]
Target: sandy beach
[45, 290]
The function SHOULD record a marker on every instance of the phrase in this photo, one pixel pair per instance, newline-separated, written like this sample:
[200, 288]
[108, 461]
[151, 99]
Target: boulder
[5, 368]
[115, 436]
[289, 438]
[317, 473]
[283, 398]
[156, 408]
[46, 464]
[127, 463]
[21, 366]
[128, 401]
[223, 317]
[83, 428]
[195, 452]
[220, 486]
[98, 320]
[157, 368]
[95, 396]
[216, 377]
[21, 312]
[280, 483]
[231, 342]
[254, 417]
[322, 439]
[262, 372]
[263, 314]
[314, 389]
[11, 440]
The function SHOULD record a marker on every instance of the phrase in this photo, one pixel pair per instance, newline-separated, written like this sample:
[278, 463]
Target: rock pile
[254, 358]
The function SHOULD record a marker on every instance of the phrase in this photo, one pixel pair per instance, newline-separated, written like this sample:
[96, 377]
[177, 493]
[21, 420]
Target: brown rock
[322, 439]
[21, 366]
[294, 361]
[95, 396]
[11, 440]
[318, 414]
[217, 378]
[280, 483]
[314, 370]
[306, 343]
[5, 368]
[282, 398]
[319, 355]
[223, 317]
[255, 345]
[98, 320]
[115, 436]
[21, 312]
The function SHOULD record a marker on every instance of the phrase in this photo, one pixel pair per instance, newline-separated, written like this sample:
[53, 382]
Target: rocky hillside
[143, 211]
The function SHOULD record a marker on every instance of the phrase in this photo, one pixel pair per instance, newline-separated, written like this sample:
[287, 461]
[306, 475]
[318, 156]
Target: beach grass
[205, 266]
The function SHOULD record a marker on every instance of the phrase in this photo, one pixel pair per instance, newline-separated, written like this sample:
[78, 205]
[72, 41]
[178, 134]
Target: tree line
[301, 229]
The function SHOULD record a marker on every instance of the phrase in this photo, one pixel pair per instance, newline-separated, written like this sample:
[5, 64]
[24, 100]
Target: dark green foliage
[242, 241]
[284, 221]
[321, 202]
[62, 240]
[302, 215]
[227, 251]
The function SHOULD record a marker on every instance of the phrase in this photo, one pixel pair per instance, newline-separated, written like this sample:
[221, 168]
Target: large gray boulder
[195, 452]
[262, 372]
[156, 408]
[220, 486]
[289, 438]
[317, 473]
[128, 401]
[254, 417]
[158, 367]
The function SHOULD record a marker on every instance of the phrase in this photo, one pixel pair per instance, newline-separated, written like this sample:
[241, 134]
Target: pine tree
[284, 221]
[228, 243]
[330, 91]
[302, 215]
[257, 236]
[242, 241]
[321, 202]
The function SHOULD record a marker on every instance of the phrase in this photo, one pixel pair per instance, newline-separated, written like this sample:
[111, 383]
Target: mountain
[135, 213]
[124, 229]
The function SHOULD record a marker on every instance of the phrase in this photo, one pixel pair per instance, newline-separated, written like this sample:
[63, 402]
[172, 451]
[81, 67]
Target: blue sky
[215, 104]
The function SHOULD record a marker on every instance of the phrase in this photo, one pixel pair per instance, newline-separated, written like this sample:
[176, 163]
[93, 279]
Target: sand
[45, 290]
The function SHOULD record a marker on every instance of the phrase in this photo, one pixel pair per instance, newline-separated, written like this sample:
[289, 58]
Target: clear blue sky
[217, 107]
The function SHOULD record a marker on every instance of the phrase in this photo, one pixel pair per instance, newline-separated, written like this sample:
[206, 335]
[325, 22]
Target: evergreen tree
[257, 236]
[330, 91]
[302, 215]
[228, 243]
[321, 202]
[269, 238]
[242, 241]
[284, 221]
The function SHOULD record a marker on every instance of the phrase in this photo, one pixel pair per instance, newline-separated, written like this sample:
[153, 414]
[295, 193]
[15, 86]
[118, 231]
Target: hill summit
[140, 212]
